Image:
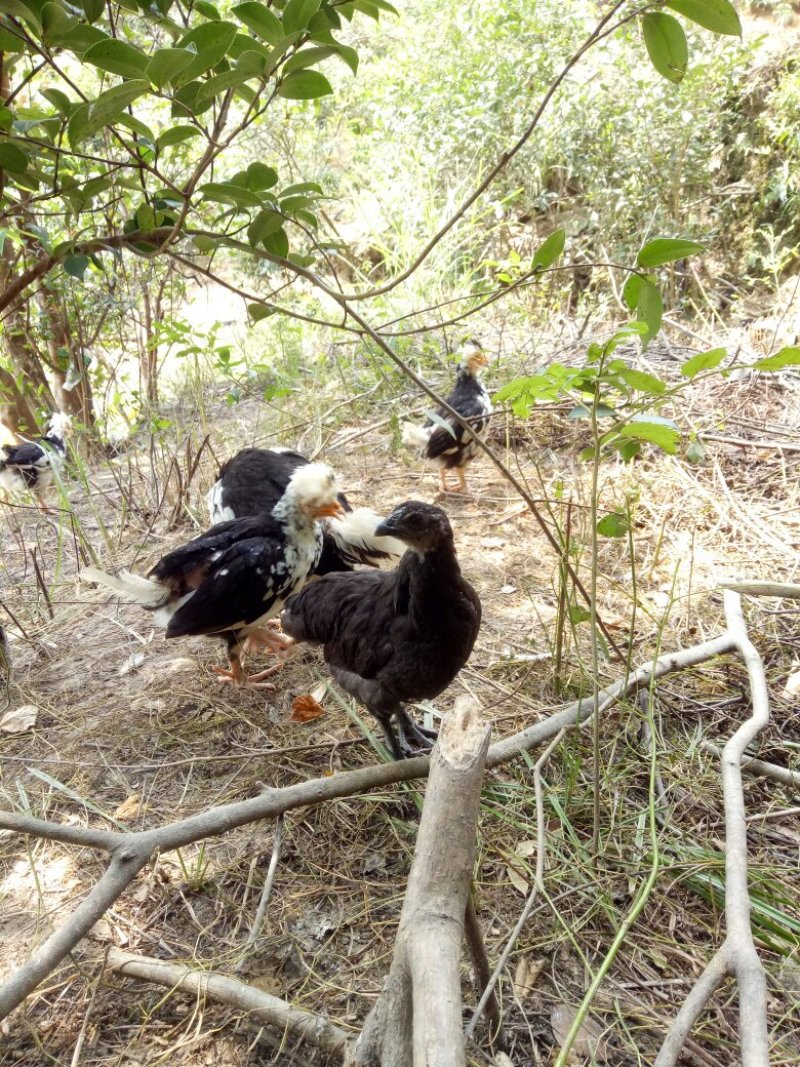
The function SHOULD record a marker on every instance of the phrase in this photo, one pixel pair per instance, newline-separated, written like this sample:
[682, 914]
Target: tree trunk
[15, 410]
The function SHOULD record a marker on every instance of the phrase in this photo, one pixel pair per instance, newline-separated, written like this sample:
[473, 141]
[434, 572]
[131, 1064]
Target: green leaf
[229, 193]
[166, 64]
[220, 83]
[631, 290]
[717, 15]
[252, 63]
[92, 116]
[265, 223]
[615, 524]
[549, 250]
[58, 99]
[258, 312]
[307, 57]
[661, 432]
[93, 8]
[703, 361]
[650, 309]
[185, 100]
[666, 45]
[80, 38]
[666, 250]
[578, 614]
[261, 21]
[55, 21]
[76, 266]
[212, 41]
[302, 187]
[787, 357]
[9, 42]
[277, 243]
[207, 10]
[304, 85]
[18, 10]
[12, 159]
[204, 244]
[176, 135]
[642, 382]
[259, 176]
[298, 13]
[117, 57]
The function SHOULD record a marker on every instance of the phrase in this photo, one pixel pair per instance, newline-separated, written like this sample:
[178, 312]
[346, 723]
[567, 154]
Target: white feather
[356, 531]
[216, 509]
[130, 586]
[416, 436]
[59, 425]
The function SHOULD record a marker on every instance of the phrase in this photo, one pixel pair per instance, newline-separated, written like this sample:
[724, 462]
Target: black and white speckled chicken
[453, 448]
[253, 481]
[394, 636]
[230, 580]
[30, 465]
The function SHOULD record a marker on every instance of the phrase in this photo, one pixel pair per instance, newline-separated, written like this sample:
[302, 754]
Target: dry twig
[737, 955]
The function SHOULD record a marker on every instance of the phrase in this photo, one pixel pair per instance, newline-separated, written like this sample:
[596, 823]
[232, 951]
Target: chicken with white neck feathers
[230, 580]
[451, 447]
[33, 465]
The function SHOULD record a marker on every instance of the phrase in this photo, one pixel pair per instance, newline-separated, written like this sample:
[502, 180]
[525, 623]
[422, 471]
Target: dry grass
[124, 714]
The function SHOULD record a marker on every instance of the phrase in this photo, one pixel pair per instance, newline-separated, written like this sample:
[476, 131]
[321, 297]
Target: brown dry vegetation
[124, 714]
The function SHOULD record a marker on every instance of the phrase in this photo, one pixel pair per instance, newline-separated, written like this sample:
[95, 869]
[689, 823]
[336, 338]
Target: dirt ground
[133, 731]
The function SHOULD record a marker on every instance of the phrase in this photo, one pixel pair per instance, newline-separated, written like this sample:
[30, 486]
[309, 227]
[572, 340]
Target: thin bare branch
[271, 1010]
[737, 955]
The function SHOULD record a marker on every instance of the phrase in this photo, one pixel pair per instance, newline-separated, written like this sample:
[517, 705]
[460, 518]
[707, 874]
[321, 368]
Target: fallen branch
[755, 588]
[417, 1018]
[262, 1006]
[130, 852]
[737, 955]
[759, 768]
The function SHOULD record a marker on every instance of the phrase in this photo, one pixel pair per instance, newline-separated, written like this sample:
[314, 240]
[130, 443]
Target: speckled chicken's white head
[312, 493]
[59, 425]
[473, 358]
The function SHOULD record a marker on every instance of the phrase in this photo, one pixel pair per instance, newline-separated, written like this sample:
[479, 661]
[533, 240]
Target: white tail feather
[416, 436]
[130, 586]
[354, 533]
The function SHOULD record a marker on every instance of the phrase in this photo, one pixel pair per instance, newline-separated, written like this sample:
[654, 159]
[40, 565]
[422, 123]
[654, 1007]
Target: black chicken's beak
[386, 528]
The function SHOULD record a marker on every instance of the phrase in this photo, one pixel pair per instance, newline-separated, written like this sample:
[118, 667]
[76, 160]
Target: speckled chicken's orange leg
[462, 481]
[236, 676]
[443, 479]
[265, 635]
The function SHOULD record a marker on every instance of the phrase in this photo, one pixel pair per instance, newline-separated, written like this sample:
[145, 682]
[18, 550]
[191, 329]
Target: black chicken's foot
[415, 739]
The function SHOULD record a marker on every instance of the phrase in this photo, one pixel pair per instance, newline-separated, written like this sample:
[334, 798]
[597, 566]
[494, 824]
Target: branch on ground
[418, 1016]
[737, 955]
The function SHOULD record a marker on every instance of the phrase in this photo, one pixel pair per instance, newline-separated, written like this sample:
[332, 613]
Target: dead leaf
[20, 719]
[517, 871]
[306, 709]
[589, 1041]
[507, 589]
[792, 687]
[319, 691]
[130, 808]
[501, 1060]
[525, 976]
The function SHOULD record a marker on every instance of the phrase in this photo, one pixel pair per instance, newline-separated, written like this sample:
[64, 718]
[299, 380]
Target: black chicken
[253, 481]
[31, 464]
[452, 448]
[394, 636]
[230, 580]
